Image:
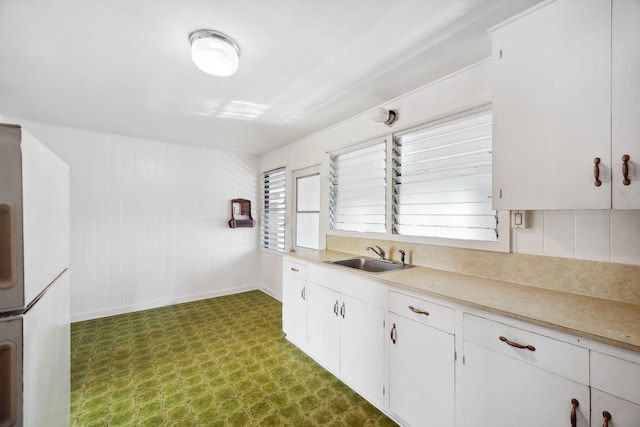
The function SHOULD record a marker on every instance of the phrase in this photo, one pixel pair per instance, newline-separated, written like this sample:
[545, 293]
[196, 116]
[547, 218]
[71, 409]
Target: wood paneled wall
[149, 221]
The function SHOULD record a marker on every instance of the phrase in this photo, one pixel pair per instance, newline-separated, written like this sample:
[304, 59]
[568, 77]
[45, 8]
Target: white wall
[149, 221]
[594, 235]
[610, 236]
[460, 91]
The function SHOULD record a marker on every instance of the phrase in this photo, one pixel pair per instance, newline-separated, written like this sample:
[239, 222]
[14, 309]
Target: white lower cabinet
[507, 373]
[345, 334]
[323, 326]
[611, 411]
[362, 347]
[615, 391]
[294, 304]
[513, 377]
[421, 362]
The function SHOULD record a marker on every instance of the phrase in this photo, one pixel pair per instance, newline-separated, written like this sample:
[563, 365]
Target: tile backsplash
[594, 235]
[608, 280]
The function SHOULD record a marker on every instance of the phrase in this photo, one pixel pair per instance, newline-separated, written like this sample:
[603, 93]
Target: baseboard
[270, 293]
[213, 294]
[80, 317]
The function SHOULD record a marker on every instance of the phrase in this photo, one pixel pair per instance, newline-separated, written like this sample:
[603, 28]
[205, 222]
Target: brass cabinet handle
[342, 310]
[335, 308]
[574, 407]
[625, 169]
[418, 311]
[606, 418]
[302, 293]
[516, 345]
[295, 269]
[394, 334]
[596, 172]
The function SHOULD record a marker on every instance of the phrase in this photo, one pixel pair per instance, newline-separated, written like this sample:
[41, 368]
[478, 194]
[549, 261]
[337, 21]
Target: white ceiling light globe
[214, 53]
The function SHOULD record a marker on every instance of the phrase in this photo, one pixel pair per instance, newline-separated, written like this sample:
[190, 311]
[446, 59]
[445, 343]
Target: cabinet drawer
[294, 269]
[546, 353]
[438, 316]
[615, 376]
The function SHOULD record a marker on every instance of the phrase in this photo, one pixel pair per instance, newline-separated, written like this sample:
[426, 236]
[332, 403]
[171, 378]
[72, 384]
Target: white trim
[444, 118]
[388, 104]
[270, 293]
[160, 303]
[295, 175]
[502, 245]
[520, 15]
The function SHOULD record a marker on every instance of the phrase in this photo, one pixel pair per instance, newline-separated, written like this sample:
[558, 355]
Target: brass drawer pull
[574, 407]
[418, 311]
[596, 172]
[625, 169]
[295, 269]
[394, 334]
[606, 418]
[516, 345]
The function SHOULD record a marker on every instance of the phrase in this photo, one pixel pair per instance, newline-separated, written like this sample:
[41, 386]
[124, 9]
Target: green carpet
[217, 362]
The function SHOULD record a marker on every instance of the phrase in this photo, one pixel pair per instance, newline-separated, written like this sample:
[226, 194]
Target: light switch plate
[518, 219]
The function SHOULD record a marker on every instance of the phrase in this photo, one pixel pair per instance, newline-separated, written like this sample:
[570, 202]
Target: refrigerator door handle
[8, 383]
[8, 227]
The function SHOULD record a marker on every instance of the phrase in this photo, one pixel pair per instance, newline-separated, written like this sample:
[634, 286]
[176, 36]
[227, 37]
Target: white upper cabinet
[626, 104]
[553, 107]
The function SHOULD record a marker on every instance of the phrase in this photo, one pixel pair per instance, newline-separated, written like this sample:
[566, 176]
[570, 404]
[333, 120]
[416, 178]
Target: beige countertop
[610, 322]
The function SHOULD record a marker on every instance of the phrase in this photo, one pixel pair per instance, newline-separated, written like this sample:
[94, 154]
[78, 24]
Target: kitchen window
[358, 188]
[272, 224]
[307, 202]
[442, 179]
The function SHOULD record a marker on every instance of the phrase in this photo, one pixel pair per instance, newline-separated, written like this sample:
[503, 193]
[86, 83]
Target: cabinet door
[622, 412]
[294, 309]
[500, 391]
[625, 101]
[362, 347]
[421, 373]
[323, 326]
[552, 108]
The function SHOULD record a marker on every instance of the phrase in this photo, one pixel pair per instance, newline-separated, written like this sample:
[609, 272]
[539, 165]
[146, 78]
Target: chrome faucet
[379, 252]
[402, 254]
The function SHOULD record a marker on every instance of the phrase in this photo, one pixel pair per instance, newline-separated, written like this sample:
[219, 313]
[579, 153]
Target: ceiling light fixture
[382, 115]
[214, 53]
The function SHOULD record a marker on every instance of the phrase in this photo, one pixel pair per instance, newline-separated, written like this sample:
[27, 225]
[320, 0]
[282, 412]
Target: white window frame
[503, 244]
[303, 173]
[364, 227]
[442, 179]
[265, 211]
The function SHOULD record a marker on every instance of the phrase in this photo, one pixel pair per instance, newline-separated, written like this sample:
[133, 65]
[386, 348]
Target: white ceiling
[124, 67]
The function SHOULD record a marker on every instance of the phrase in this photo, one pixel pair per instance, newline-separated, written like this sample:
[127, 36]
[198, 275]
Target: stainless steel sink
[370, 265]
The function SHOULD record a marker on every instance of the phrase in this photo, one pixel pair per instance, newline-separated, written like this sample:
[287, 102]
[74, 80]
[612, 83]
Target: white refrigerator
[34, 283]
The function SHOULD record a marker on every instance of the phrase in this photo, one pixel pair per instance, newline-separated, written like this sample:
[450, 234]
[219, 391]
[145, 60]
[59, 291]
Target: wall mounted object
[241, 214]
[382, 115]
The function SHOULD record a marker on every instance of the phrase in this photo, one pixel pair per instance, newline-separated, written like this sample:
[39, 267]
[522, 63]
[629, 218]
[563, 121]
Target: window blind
[273, 209]
[442, 180]
[358, 188]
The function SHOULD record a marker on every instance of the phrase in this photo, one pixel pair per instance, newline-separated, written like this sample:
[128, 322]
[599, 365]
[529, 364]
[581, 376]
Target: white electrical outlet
[518, 219]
